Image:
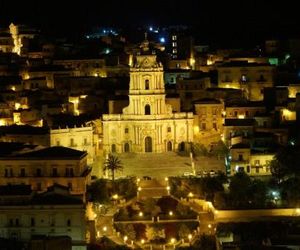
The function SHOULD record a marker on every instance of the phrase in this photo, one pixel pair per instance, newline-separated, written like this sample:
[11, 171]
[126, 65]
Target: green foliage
[150, 207]
[112, 164]
[220, 150]
[130, 232]
[184, 231]
[98, 191]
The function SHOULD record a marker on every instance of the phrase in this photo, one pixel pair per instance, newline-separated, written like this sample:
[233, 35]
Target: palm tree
[112, 164]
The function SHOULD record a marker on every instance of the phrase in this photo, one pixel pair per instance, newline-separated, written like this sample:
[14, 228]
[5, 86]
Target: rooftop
[52, 153]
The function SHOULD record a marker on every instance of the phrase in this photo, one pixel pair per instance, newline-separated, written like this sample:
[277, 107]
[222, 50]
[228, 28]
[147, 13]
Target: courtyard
[159, 165]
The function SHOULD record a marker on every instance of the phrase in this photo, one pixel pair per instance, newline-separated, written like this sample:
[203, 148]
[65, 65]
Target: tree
[150, 207]
[239, 188]
[220, 150]
[112, 164]
[183, 231]
[130, 232]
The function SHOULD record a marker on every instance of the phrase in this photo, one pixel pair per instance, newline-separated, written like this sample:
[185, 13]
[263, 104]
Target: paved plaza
[160, 165]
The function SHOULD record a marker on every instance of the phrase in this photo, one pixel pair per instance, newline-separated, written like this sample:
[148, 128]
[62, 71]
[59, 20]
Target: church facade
[147, 124]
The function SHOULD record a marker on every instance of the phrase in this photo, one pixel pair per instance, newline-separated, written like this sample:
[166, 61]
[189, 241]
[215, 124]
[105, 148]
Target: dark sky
[223, 18]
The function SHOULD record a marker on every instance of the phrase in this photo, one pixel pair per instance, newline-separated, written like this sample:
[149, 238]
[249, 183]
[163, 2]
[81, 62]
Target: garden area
[156, 221]
[104, 190]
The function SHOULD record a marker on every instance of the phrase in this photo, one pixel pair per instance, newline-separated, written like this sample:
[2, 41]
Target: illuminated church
[147, 124]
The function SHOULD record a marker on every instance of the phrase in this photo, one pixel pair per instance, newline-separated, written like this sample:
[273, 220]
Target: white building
[147, 124]
[78, 138]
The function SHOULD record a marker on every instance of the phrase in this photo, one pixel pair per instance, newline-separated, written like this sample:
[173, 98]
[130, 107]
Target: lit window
[244, 78]
[174, 51]
[174, 44]
[174, 38]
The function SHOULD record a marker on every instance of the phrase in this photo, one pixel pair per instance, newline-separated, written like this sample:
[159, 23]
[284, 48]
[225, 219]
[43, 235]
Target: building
[44, 167]
[252, 78]
[208, 121]
[53, 216]
[78, 138]
[252, 162]
[147, 124]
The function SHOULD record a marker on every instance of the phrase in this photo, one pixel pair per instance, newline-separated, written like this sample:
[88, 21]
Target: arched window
[146, 84]
[147, 109]
[113, 148]
[126, 147]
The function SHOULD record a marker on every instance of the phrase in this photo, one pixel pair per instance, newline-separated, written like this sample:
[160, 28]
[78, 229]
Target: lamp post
[190, 239]
[173, 242]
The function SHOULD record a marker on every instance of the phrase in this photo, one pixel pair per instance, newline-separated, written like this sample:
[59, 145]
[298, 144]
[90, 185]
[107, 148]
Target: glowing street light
[104, 229]
[190, 195]
[139, 188]
[209, 225]
[142, 241]
[141, 214]
[115, 196]
[166, 179]
[125, 238]
[171, 213]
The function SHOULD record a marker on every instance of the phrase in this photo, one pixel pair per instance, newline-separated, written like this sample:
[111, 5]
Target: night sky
[220, 19]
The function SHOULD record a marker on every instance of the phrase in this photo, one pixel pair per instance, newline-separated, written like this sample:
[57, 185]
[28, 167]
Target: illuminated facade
[147, 124]
[45, 167]
[78, 138]
[208, 123]
[252, 78]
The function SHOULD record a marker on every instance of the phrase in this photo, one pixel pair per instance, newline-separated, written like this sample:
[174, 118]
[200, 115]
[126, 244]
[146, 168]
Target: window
[11, 173]
[72, 142]
[39, 186]
[203, 126]
[113, 148]
[57, 143]
[70, 185]
[146, 84]
[32, 222]
[257, 162]
[68, 222]
[38, 172]
[214, 111]
[247, 113]
[174, 37]
[85, 142]
[215, 126]
[126, 130]
[6, 172]
[69, 172]
[169, 129]
[174, 44]
[241, 158]
[248, 169]
[172, 80]
[174, 51]
[22, 172]
[147, 109]
[257, 170]
[54, 172]
[235, 113]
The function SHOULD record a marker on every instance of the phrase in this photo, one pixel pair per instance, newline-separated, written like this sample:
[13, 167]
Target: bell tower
[146, 88]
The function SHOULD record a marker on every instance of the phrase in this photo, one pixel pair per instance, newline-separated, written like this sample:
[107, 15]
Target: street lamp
[190, 238]
[173, 242]
[104, 229]
[125, 238]
[171, 213]
[166, 179]
[141, 214]
[142, 241]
